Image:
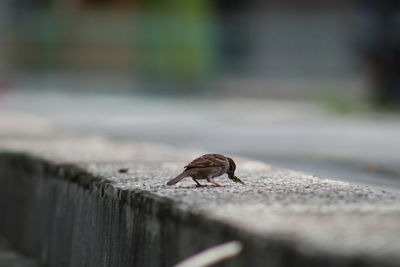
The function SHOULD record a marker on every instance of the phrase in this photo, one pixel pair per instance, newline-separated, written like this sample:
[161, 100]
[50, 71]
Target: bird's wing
[208, 160]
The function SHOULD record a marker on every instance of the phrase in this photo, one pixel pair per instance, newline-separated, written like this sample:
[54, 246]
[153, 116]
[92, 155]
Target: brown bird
[207, 167]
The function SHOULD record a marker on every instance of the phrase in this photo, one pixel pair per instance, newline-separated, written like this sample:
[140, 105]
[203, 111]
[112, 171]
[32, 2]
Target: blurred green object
[236, 179]
[338, 104]
[175, 49]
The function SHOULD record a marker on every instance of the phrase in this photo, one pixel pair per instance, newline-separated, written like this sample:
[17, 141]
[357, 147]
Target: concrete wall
[67, 213]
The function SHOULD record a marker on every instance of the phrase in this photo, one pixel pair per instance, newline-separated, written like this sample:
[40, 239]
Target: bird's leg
[211, 181]
[198, 184]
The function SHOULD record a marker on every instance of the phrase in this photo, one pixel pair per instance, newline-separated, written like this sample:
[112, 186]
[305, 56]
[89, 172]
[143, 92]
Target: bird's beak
[235, 179]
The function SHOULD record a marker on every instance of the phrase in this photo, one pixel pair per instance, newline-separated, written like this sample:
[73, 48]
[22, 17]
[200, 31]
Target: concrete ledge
[65, 203]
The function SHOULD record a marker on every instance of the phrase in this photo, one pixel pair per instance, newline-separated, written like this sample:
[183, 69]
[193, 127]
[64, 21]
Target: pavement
[359, 148]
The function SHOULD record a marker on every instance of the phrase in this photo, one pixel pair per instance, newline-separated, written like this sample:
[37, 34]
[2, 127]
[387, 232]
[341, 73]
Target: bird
[207, 167]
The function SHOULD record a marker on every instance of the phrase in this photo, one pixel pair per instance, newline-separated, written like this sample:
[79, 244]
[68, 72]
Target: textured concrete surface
[360, 147]
[66, 203]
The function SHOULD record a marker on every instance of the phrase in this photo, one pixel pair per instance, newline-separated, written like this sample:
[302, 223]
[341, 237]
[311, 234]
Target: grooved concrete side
[63, 223]
[69, 208]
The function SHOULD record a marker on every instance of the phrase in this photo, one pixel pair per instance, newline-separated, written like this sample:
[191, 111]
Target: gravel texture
[333, 220]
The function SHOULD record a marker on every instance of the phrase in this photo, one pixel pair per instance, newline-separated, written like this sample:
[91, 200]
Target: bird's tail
[177, 178]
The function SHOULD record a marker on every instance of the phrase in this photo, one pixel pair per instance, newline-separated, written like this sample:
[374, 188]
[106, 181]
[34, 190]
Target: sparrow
[207, 167]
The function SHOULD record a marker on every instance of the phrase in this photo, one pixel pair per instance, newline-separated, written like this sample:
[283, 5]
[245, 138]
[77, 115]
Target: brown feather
[177, 178]
[207, 160]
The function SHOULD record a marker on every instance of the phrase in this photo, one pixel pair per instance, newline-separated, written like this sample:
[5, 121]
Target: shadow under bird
[208, 167]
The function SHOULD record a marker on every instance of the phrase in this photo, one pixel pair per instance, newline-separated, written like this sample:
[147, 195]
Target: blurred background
[307, 85]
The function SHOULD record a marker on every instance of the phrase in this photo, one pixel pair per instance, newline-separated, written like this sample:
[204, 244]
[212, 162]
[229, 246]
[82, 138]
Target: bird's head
[232, 168]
